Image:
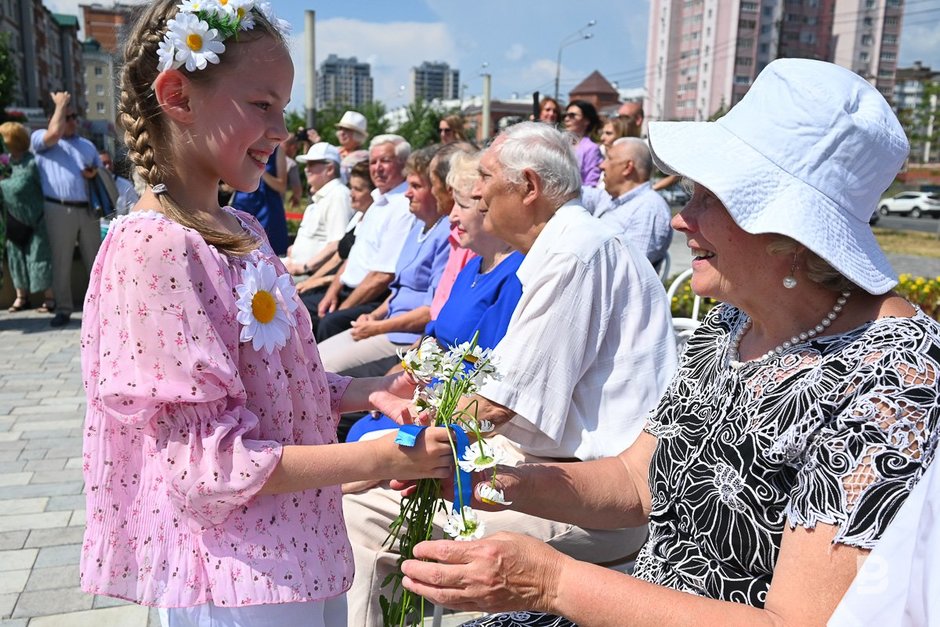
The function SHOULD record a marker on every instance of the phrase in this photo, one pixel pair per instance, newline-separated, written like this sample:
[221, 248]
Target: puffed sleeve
[167, 351]
[859, 468]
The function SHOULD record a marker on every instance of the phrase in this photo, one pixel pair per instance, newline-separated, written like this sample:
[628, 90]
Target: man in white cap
[326, 217]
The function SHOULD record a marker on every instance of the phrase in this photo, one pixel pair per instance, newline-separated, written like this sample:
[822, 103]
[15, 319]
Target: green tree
[922, 123]
[7, 72]
[327, 118]
[420, 126]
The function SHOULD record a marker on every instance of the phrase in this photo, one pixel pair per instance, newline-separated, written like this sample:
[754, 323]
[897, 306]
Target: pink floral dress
[184, 426]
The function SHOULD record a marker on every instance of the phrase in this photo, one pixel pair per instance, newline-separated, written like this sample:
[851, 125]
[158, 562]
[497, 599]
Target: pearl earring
[789, 281]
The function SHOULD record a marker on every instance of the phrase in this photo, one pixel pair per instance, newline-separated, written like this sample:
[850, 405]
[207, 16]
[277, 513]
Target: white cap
[320, 151]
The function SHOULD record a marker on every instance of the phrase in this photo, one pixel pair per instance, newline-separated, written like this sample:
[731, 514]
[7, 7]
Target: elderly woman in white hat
[804, 410]
[351, 132]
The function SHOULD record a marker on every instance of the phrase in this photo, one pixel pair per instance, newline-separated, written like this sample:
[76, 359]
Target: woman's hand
[430, 456]
[363, 327]
[504, 572]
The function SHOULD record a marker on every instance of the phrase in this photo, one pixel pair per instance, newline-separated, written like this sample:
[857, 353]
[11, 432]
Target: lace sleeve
[861, 465]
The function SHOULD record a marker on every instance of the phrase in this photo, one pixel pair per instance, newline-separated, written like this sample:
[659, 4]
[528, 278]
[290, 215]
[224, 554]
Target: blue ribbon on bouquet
[463, 482]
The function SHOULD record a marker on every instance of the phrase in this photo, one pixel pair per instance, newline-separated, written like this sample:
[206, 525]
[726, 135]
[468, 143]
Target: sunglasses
[572, 115]
[71, 116]
[446, 131]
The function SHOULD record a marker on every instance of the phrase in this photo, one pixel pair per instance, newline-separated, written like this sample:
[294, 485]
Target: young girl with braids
[210, 455]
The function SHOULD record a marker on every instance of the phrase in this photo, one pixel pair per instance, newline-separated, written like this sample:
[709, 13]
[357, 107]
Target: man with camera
[66, 163]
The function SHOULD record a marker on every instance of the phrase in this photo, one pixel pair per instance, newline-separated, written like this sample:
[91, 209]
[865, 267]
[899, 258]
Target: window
[749, 7]
[99, 71]
[100, 108]
[99, 90]
[740, 79]
[867, 40]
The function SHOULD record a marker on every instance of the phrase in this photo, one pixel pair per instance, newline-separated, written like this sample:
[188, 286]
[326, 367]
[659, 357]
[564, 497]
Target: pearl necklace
[796, 339]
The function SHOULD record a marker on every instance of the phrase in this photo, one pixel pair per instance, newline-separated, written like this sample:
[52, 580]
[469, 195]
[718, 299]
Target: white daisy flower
[480, 455]
[489, 494]
[422, 362]
[196, 44]
[464, 527]
[266, 306]
[195, 6]
[166, 53]
[485, 426]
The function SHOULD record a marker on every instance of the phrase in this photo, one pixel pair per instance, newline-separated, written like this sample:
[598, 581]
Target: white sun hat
[355, 122]
[807, 153]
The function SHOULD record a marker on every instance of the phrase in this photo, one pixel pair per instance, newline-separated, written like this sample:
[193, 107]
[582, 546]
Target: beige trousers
[65, 225]
[369, 514]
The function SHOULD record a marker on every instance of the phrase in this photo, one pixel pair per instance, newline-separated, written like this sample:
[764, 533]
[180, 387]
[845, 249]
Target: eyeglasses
[572, 115]
[71, 116]
[446, 131]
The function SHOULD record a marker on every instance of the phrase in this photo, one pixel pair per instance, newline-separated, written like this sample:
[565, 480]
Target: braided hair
[145, 131]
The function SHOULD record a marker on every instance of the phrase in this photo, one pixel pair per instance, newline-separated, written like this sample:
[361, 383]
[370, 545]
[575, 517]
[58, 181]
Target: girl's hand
[431, 456]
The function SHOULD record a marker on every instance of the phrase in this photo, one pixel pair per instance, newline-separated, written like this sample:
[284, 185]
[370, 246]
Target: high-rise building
[867, 37]
[46, 52]
[105, 24]
[703, 55]
[918, 110]
[343, 82]
[434, 81]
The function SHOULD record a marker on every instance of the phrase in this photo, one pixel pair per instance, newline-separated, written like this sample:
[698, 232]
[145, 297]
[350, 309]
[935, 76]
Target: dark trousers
[338, 321]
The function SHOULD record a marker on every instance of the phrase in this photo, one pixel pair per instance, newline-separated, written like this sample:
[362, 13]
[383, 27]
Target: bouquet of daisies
[444, 378]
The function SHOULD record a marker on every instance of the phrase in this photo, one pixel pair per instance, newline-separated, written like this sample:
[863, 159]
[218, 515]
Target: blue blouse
[479, 302]
[266, 204]
[419, 268]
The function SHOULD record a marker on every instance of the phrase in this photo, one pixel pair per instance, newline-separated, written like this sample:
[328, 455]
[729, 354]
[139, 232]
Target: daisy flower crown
[195, 36]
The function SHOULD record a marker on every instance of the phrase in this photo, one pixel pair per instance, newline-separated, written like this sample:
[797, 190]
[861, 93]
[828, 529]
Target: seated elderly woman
[804, 409]
[370, 345]
[485, 292]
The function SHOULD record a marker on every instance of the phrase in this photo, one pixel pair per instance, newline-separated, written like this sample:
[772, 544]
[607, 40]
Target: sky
[518, 41]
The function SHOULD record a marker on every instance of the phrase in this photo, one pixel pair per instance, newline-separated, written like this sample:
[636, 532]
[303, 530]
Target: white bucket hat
[807, 153]
[355, 122]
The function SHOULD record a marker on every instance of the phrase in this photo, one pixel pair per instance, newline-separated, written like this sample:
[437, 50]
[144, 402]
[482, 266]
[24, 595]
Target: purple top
[589, 157]
[420, 266]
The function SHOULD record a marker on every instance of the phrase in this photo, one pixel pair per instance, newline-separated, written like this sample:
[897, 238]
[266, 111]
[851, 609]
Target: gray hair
[402, 147]
[638, 151]
[817, 269]
[544, 150]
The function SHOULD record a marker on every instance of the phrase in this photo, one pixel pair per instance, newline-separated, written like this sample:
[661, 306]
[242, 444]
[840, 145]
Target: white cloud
[392, 49]
[515, 52]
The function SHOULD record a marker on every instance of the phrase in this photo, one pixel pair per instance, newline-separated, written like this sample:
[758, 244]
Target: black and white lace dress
[836, 431]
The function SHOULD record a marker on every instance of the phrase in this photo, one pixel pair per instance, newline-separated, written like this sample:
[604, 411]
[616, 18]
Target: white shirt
[898, 584]
[644, 217]
[325, 220]
[590, 347]
[380, 236]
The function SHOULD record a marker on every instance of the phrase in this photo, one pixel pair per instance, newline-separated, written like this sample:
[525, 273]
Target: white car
[914, 204]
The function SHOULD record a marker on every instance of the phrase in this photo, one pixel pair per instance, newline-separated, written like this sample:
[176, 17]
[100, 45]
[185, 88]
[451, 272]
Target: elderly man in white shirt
[362, 282]
[635, 209]
[326, 217]
[588, 351]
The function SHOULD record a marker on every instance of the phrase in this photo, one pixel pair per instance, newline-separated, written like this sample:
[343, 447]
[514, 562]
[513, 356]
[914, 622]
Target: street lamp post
[485, 113]
[573, 38]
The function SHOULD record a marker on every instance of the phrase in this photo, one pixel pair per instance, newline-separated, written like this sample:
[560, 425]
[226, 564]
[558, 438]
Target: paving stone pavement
[42, 508]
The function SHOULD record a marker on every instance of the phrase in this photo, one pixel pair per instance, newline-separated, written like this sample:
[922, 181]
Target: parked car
[914, 204]
[675, 195]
